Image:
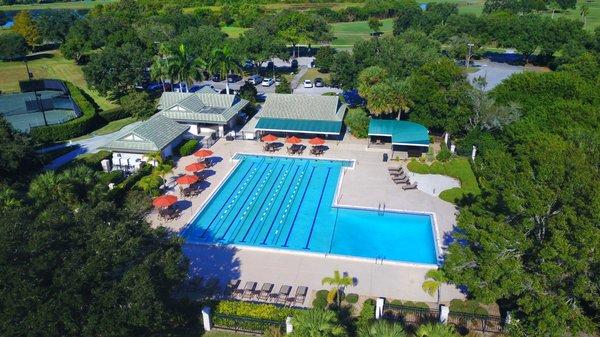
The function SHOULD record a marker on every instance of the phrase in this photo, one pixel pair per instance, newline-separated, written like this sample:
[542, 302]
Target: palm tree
[8, 197]
[317, 323]
[584, 11]
[184, 67]
[339, 282]
[150, 184]
[433, 283]
[382, 328]
[223, 62]
[159, 70]
[155, 157]
[436, 330]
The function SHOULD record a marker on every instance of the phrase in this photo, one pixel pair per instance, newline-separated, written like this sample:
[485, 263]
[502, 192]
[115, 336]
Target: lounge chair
[300, 295]
[396, 169]
[283, 294]
[232, 286]
[249, 290]
[265, 291]
[398, 175]
[410, 187]
[402, 181]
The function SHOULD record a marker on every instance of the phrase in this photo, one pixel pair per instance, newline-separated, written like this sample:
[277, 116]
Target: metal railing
[244, 324]
[483, 323]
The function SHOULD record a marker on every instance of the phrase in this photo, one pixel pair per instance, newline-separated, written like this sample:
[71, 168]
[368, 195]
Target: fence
[410, 315]
[483, 323]
[244, 324]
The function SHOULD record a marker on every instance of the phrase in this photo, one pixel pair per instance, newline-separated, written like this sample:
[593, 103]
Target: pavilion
[403, 135]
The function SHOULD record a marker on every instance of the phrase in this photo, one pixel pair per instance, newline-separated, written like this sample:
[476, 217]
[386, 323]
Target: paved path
[298, 76]
[89, 145]
[494, 72]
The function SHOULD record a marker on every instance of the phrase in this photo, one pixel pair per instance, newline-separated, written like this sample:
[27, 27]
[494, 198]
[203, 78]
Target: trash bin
[385, 157]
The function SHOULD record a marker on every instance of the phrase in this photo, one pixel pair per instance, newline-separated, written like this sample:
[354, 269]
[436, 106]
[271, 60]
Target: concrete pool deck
[367, 185]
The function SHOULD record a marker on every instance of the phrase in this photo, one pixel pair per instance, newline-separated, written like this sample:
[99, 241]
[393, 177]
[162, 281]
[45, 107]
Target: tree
[488, 115]
[511, 6]
[247, 14]
[54, 25]
[249, 92]
[344, 70]
[436, 330]
[26, 27]
[17, 155]
[138, 105]
[150, 184]
[384, 95]
[357, 120]
[223, 62]
[374, 24]
[260, 46]
[324, 58]
[3, 18]
[584, 11]
[159, 70]
[433, 283]
[339, 283]
[382, 328]
[410, 15]
[78, 41]
[317, 323]
[183, 67]
[12, 46]
[284, 87]
[198, 41]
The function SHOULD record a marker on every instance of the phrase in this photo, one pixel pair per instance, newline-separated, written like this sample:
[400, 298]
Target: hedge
[467, 307]
[73, 128]
[187, 148]
[114, 114]
[232, 309]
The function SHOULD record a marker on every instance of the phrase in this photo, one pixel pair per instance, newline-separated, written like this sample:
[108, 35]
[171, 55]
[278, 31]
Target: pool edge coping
[432, 215]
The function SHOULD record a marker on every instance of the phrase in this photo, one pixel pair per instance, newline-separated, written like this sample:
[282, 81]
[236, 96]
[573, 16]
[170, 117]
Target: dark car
[196, 87]
[353, 98]
[216, 78]
[294, 64]
[319, 82]
[154, 86]
[232, 78]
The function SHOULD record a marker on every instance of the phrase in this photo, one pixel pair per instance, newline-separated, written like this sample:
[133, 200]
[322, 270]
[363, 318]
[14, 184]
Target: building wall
[127, 161]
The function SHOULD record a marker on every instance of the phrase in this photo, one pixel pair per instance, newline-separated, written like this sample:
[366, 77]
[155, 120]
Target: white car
[308, 84]
[267, 82]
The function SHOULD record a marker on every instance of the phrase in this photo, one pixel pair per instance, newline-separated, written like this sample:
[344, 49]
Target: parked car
[180, 87]
[294, 64]
[261, 97]
[231, 92]
[196, 87]
[255, 79]
[248, 64]
[267, 82]
[353, 98]
[233, 78]
[319, 82]
[308, 84]
[277, 80]
[216, 78]
[154, 86]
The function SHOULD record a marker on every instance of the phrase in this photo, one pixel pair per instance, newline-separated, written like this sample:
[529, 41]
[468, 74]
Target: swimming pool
[287, 203]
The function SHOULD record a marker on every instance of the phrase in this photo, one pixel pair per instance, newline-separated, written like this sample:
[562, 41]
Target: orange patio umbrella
[269, 138]
[203, 153]
[195, 167]
[316, 141]
[187, 180]
[164, 200]
[293, 140]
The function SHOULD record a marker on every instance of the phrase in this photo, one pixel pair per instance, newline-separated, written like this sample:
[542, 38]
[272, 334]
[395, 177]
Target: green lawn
[49, 64]
[312, 73]
[111, 127]
[346, 34]
[88, 4]
[233, 32]
[457, 167]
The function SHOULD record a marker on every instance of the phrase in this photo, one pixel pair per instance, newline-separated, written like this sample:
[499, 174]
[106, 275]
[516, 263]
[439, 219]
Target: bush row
[252, 313]
[113, 114]
[187, 148]
[73, 128]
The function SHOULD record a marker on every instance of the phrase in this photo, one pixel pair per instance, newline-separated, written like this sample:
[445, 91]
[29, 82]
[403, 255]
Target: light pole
[470, 45]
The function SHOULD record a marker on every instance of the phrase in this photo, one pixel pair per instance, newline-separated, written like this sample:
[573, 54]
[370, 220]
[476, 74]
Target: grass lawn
[457, 167]
[313, 73]
[233, 32]
[348, 33]
[88, 4]
[111, 127]
[50, 64]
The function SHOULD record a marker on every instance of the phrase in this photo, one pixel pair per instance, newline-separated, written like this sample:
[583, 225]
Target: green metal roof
[200, 107]
[152, 135]
[402, 132]
[309, 107]
[299, 125]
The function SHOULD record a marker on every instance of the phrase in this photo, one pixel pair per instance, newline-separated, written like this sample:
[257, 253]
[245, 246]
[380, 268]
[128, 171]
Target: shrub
[114, 177]
[367, 313]
[284, 87]
[128, 183]
[319, 303]
[352, 298]
[357, 121]
[187, 148]
[322, 293]
[254, 310]
[396, 302]
[114, 114]
[73, 128]
[137, 201]
[444, 154]
[420, 305]
[468, 307]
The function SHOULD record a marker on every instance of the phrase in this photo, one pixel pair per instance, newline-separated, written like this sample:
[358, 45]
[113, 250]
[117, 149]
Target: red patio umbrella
[293, 140]
[316, 141]
[203, 153]
[164, 200]
[269, 138]
[195, 167]
[187, 180]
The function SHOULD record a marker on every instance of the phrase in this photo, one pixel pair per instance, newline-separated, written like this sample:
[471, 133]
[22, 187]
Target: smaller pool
[287, 203]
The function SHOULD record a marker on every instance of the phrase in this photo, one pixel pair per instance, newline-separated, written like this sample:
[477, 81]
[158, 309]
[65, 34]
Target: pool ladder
[381, 209]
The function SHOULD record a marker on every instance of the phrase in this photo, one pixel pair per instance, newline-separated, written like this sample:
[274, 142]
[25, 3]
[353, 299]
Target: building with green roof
[157, 134]
[401, 134]
[202, 111]
[301, 114]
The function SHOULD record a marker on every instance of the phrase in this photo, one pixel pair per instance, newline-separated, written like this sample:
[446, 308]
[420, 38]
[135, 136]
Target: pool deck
[367, 185]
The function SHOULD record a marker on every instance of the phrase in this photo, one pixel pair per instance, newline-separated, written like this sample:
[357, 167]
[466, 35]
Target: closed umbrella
[164, 200]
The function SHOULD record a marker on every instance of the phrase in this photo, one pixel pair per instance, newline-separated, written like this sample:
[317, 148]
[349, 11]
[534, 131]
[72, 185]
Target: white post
[473, 153]
[452, 148]
[446, 138]
[444, 311]
[379, 307]
[288, 325]
[221, 131]
[206, 318]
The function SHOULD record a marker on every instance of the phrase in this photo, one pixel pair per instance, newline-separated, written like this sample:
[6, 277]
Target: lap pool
[287, 203]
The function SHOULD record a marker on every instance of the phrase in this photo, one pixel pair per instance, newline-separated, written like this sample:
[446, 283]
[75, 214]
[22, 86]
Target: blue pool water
[287, 203]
